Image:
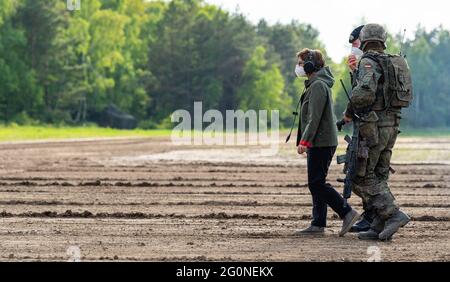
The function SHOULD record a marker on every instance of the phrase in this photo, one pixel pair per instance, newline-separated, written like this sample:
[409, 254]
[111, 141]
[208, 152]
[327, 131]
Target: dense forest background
[153, 57]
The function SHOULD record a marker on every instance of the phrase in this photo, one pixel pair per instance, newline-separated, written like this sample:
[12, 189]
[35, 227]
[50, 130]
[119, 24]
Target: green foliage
[153, 57]
[340, 71]
[429, 57]
[263, 86]
[19, 90]
[14, 132]
[22, 118]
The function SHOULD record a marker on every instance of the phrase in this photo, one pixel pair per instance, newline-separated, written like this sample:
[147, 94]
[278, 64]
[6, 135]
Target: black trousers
[323, 194]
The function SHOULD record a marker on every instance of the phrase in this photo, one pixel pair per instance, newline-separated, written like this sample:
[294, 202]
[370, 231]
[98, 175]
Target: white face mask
[358, 53]
[300, 71]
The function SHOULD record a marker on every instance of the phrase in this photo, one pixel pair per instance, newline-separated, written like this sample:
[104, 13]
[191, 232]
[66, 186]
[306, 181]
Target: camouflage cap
[373, 32]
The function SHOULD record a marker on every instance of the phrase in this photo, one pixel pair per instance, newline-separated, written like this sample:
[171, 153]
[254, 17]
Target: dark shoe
[312, 230]
[368, 235]
[378, 224]
[350, 218]
[361, 226]
[393, 224]
[375, 229]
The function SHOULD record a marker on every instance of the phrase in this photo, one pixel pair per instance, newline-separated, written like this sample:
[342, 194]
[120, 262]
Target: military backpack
[397, 90]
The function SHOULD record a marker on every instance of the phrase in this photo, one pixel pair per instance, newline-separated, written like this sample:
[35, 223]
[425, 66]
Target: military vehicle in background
[113, 117]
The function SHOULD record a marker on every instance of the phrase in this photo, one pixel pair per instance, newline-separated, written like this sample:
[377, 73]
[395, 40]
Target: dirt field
[144, 199]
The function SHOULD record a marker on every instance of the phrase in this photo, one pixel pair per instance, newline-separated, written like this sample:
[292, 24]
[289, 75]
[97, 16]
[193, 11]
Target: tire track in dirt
[206, 203]
[139, 215]
[195, 211]
[201, 183]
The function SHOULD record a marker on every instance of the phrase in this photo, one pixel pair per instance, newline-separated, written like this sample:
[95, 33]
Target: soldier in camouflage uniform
[367, 217]
[379, 127]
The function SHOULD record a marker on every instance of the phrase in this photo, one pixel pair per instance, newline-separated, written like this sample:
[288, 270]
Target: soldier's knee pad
[382, 173]
[359, 191]
[362, 192]
[372, 190]
[384, 204]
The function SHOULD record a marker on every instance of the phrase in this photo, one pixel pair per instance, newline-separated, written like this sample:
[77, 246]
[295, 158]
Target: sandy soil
[144, 199]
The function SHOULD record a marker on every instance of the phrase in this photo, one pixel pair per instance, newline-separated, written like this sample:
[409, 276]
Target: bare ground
[144, 199]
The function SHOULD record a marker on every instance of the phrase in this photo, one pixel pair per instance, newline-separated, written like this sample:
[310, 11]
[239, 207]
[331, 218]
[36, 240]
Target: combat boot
[393, 224]
[368, 235]
[312, 230]
[363, 224]
[375, 229]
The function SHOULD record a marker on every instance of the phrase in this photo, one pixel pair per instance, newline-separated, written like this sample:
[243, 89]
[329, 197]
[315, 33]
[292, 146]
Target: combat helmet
[373, 32]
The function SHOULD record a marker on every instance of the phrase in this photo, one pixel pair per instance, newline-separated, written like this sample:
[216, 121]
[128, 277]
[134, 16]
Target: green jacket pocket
[368, 129]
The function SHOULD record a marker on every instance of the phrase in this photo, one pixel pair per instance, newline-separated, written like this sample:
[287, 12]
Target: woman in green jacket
[317, 136]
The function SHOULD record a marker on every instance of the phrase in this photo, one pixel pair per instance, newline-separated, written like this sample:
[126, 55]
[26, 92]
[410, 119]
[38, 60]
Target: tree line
[151, 58]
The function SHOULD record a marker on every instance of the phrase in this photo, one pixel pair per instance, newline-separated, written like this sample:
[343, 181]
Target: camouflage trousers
[373, 187]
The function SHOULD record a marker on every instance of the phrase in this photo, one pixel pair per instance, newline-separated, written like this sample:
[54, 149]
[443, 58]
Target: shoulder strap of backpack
[385, 74]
